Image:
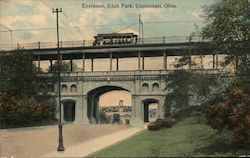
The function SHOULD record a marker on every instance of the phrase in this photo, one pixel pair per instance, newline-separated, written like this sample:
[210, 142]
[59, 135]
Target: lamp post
[11, 37]
[60, 125]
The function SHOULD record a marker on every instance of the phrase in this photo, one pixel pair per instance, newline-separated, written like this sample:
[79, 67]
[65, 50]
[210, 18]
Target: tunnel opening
[150, 110]
[69, 110]
[106, 105]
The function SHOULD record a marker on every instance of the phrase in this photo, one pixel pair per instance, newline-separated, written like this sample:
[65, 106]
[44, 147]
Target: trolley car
[115, 39]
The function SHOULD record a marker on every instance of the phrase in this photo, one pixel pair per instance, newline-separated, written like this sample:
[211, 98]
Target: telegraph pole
[60, 140]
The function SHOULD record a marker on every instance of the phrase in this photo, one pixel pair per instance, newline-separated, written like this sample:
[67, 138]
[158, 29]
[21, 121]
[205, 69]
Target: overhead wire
[67, 29]
[187, 21]
[72, 23]
[127, 27]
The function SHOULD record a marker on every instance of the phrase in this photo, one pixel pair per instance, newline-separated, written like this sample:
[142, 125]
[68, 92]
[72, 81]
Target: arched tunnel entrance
[150, 109]
[69, 110]
[94, 111]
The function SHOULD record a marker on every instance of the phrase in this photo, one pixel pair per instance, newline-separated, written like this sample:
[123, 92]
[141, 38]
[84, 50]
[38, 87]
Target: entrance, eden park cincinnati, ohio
[81, 89]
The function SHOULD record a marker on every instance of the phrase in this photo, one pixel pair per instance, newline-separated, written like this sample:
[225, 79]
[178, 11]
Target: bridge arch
[69, 110]
[93, 97]
[146, 103]
[90, 87]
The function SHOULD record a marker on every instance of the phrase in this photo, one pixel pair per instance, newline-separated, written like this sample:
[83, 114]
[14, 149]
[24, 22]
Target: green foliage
[187, 138]
[153, 126]
[233, 113]
[227, 26]
[24, 111]
[159, 124]
[18, 74]
[65, 67]
[182, 85]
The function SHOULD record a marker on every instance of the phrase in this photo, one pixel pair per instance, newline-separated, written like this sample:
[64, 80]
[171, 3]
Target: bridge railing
[87, 43]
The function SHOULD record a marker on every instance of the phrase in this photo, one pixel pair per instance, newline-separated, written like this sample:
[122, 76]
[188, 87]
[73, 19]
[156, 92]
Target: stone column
[78, 110]
[217, 61]
[85, 109]
[139, 60]
[213, 61]
[83, 62]
[71, 64]
[92, 64]
[110, 62]
[117, 64]
[165, 60]
[136, 119]
[142, 62]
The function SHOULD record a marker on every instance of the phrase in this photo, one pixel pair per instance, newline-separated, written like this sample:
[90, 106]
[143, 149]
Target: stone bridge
[81, 92]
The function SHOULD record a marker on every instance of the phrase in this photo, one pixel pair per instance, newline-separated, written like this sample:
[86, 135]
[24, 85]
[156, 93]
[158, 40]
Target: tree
[186, 88]
[65, 67]
[227, 27]
[18, 74]
[233, 113]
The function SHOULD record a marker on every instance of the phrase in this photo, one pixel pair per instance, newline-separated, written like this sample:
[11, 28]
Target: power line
[36, 29]
[72, 23]
[67, 29]
[127, 27]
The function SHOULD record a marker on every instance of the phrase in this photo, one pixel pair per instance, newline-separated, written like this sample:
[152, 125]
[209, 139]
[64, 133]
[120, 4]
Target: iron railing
[88, 43]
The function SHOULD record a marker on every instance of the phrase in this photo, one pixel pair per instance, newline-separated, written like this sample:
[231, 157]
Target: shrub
[153, 126]
[159, 124]
[233, 114]
[24, 111]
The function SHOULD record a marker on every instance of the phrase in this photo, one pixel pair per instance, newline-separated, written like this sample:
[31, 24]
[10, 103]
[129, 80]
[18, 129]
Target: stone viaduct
[81, 90]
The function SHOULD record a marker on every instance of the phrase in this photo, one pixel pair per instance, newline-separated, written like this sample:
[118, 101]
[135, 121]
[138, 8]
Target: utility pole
[60, 125]
[140, 30]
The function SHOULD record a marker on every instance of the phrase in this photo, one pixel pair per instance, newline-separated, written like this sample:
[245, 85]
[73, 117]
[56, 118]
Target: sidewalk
[86, 148]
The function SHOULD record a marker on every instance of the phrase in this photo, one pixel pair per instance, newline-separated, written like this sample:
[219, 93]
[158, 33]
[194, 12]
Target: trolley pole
[60, 125]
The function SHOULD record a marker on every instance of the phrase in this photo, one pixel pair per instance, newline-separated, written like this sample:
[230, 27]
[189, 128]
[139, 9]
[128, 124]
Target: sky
[32, 21]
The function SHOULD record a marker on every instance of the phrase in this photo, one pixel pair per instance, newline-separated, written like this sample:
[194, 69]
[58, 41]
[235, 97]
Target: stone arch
[93, 101]
[73, 88]
[69, 110]
[91, 87]
[145, 87]
[146, 103]
[50, 88]
[155, 87]
[64, 88]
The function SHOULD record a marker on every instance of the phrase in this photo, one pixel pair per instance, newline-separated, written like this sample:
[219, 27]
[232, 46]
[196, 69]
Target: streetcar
[115, 39]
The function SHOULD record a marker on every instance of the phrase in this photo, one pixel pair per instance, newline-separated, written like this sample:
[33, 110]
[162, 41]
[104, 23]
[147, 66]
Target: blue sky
[77, 23]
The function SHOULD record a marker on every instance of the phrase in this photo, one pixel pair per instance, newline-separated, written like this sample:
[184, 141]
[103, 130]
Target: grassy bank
[188, 137]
